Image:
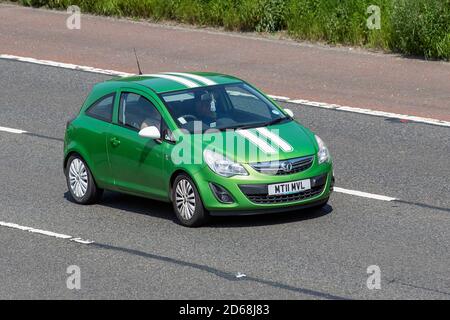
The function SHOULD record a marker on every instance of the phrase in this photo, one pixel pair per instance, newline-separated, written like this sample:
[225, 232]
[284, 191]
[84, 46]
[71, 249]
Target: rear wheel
[186, 201]
[80, 182]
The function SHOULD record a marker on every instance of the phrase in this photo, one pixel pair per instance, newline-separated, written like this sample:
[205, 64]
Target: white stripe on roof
[204, 80]
[186, 82]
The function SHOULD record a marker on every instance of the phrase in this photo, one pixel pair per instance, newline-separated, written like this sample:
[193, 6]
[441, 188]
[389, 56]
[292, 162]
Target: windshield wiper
[254, 125]
[275, 121]
[244, 126]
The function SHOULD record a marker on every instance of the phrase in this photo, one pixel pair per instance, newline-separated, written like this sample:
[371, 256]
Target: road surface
[140, 252]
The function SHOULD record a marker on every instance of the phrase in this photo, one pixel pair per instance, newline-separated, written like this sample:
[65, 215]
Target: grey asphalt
[140, 252]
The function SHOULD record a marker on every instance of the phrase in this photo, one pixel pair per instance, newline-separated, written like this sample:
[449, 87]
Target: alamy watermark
[374, 20]
[374, 280]
[74, 279]
[73, 22]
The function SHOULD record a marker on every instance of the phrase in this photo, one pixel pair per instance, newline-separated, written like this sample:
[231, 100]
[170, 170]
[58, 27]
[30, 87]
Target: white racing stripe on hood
[260, 143]
[201, 79]
[286, 147]
[186, 82]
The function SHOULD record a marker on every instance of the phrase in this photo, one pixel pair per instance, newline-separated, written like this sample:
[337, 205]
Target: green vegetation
[412, 27]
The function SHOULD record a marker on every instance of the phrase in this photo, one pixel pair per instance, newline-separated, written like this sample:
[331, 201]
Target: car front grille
[284, 167]
[259, 194]
[261, 199]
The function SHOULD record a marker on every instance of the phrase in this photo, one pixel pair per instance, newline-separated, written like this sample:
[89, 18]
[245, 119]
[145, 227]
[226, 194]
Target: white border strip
[364, 194]
[11, 130]
[65, 65]
[278, 98]
[309, 103]
[363, 111]
[44, 232]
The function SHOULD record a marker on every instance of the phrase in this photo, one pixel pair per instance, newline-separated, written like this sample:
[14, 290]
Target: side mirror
[289, 112]
[151, 132]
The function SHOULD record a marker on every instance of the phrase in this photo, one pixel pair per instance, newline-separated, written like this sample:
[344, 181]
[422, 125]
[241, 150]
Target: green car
[209, 143]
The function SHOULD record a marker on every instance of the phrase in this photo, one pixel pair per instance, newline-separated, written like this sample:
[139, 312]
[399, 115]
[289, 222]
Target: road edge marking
[308, 103]
[370, 112]
[65, 65]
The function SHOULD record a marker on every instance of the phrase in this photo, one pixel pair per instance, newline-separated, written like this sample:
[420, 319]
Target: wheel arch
[174, 175]
[85, 159]
[66, 158]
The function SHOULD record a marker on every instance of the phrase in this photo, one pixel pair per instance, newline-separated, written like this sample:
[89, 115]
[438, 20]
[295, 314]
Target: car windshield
[221, 107]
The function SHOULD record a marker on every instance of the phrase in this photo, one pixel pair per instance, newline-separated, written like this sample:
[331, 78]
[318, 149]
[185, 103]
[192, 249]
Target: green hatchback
[209, 143]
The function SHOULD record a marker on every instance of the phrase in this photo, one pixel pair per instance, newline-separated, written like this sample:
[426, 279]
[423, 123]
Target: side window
[245, 101]
[136, 112]
[102, 109]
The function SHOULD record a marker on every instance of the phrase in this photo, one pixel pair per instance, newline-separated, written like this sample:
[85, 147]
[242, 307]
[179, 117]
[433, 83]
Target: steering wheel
[189, 116]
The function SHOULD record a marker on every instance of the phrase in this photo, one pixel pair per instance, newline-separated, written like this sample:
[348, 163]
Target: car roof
[175, 81]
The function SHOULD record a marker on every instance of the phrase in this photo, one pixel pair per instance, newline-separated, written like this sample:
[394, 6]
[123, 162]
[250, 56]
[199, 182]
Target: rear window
[102, 109]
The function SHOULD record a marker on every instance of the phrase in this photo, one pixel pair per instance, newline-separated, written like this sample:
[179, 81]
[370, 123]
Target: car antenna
[137, 61]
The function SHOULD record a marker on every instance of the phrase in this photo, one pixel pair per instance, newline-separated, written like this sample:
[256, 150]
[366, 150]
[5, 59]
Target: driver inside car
[152, 117]
[205, 109]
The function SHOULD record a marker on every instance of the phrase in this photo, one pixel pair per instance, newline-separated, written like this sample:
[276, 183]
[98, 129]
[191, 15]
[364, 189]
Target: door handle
[114, 141]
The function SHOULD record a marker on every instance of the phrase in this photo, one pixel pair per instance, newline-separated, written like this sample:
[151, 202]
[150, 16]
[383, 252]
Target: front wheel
[80, 182]
[186, 201]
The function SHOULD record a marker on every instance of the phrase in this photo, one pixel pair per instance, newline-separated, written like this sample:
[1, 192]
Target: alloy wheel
[185, 199]
[78, 178]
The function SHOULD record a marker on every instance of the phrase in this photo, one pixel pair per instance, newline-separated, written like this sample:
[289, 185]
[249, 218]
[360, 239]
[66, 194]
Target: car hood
[288, 140]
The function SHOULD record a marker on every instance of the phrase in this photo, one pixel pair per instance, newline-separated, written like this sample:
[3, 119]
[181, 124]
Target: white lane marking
[183, 81]
[82, 241]
[201, 79]
[371, 112]
[278, 98]
[266, 148]
[260, 143]
[44, 232]
[286, 147]
[11, 130]
[364, 194]
[65, 65]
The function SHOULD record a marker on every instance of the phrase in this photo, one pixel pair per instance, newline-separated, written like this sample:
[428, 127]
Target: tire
[187, 203]
[80, 182]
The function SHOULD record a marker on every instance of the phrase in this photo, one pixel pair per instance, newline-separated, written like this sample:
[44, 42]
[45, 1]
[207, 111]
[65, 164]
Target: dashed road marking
[265, 145]
[11, 130]
[45, 232]
[364, 194]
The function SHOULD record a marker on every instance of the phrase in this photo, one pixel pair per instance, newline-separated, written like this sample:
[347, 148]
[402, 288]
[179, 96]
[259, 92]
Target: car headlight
[223, 166]
[323, 155]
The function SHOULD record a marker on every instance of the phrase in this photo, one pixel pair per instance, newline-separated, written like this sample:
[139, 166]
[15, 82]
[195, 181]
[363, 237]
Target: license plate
[289, 187]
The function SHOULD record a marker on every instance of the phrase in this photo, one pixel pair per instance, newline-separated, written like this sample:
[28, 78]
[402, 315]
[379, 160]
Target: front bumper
[250, 197]
[222, 213]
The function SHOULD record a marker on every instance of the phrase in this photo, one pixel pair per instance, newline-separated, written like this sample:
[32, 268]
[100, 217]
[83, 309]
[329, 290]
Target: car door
[94, 134]
[137, 163]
